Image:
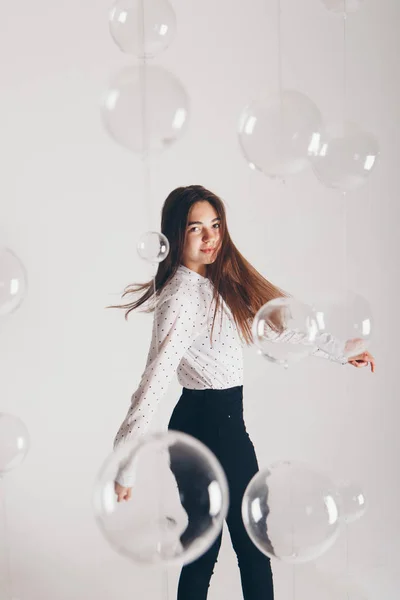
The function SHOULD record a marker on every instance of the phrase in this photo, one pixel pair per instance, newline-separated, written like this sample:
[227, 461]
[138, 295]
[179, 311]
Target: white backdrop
[71, 207]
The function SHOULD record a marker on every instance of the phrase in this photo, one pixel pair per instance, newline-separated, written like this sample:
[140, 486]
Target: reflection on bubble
[142, 28]
[276, 133]
[14, 442]
[343, 156]
[178, 504]
[290, 512]
[153, 247]
[285, 330]
[13, 282]
[145, 109]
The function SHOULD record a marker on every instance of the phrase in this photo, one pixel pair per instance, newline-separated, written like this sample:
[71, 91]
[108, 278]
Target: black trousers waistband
[211, 404]
[236, 391]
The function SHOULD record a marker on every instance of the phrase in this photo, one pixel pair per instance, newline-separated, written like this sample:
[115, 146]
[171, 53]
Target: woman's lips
[208, 250]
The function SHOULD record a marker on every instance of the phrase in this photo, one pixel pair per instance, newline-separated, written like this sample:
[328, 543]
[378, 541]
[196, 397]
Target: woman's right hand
[123, 493]
[357, 356]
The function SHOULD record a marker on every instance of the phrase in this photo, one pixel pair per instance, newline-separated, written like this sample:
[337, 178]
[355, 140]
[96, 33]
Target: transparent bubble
[143, 28]
[145, 109]
[351, 500]
[178, 504]
[13, 282]
[276, 134]
[290, 512]
[153, 247]
[343, 156]
[348, 317]
[343, 7]
[14, 442]
[285, 330]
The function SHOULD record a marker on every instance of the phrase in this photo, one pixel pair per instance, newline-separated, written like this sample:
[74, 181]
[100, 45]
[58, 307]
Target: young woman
[207, 295]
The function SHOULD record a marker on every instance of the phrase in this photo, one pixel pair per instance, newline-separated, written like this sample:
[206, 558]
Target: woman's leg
[195, 577]
[238, 458]
[193, 484]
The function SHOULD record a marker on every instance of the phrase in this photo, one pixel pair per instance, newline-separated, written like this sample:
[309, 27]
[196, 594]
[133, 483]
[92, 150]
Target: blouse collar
[192, 275]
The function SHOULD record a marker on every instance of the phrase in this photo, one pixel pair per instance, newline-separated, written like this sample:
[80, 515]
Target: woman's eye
[215, 226]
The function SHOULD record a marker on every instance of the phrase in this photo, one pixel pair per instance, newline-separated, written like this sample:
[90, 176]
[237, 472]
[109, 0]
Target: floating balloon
[143, 28]
[351, 501]
[343, 156]
[290, 512]
[13, 282]
[145, 109]
[277, 133]
[178, 504]
[14, 442]
[285, 331]
[153, 247]
[347, 317]
[343, 7]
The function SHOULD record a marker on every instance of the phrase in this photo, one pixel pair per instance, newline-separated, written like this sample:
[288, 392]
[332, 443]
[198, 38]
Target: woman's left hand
[362, 360]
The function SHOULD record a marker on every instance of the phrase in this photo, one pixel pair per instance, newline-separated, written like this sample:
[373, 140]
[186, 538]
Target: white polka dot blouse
[181, 344]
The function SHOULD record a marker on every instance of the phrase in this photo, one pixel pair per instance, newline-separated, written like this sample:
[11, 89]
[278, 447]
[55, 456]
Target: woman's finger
[364, 360]
[371, 360]
[358, 363]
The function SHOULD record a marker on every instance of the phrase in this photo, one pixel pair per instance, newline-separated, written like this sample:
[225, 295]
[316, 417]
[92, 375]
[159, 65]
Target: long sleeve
[330, 348]
[325, 344]
[175, 327]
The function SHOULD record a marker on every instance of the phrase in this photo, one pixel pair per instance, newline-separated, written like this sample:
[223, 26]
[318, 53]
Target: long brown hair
[234, 279]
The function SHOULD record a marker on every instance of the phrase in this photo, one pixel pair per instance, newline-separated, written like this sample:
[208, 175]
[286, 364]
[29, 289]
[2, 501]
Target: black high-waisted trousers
[215, 417]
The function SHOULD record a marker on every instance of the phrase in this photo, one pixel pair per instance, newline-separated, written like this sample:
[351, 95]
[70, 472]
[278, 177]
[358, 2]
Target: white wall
[71, 209]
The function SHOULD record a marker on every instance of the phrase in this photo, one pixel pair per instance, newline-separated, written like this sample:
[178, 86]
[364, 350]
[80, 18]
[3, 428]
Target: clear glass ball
[179, 499]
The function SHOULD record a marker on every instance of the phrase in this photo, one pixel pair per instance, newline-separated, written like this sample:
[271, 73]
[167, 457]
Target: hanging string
[346, 561]
[6, 593]
[145, 140]
[294, 582]
[280, 79]
[166, 584]
[344, 114]
[345, 258]
[344, 67]
[345, 243]
[280, 76]
[293, 549]
[144, 123]
[147, 196]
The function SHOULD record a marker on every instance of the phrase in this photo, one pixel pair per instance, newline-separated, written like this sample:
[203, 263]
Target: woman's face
[202, 237]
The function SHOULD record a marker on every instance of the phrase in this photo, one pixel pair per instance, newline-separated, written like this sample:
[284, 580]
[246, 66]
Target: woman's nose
[208, 235]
